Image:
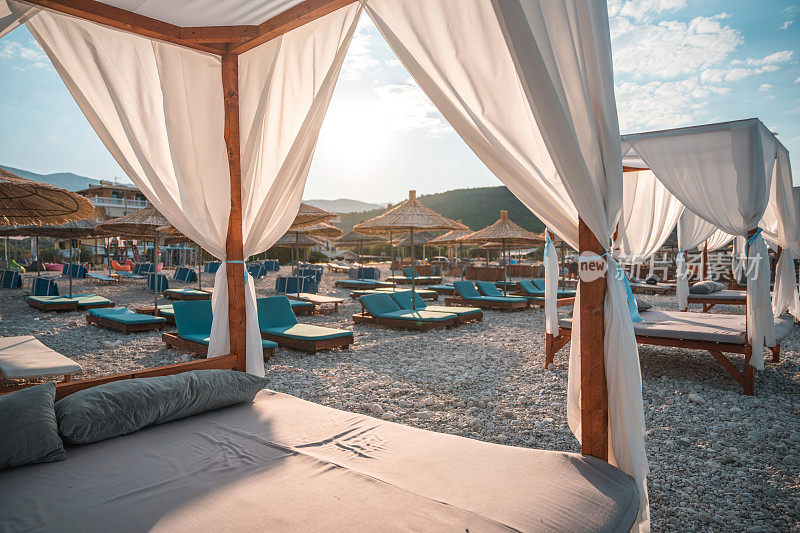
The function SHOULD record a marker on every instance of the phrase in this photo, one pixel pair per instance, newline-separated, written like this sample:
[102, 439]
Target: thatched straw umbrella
[451, 238]
[409, 216]
[24, 201]
[506, 233]
[142, 224]
[308, 215]
[358, 240]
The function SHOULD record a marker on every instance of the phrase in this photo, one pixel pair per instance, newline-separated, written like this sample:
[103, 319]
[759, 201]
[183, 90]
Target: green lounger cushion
[532, 289]
[166, 310]
[186, 291]
[275, 312]
[91, 299]
[123, 315]
[378, 304]
[50, 299]
[307, 332]
[466, 289]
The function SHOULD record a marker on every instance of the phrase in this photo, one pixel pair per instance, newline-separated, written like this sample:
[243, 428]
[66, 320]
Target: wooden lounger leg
[776, 353]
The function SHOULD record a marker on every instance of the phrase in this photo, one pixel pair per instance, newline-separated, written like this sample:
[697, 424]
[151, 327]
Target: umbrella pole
[38, 260]
[391, 259]
[8, 264]
[505, 270]
[463, 266]
[297, 263]
[155, 275]
[70, 268]
[413, 274]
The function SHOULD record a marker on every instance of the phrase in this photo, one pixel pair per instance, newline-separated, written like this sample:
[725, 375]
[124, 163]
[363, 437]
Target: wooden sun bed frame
[365, 318]
[554, 343]
[172, 340]
[98, 305]
[443, 291]
[183, 296]
[11, 385]
[121, 327]
[708, 301]
[640, 288]
[486, 304]
[319, 302]
[56, 306]
[310, 346]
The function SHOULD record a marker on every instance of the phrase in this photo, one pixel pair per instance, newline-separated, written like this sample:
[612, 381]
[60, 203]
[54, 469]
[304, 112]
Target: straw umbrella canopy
[143, 223]
[358, 240]
[308, 215]
[409, 216]
[451, 238]
[505, 233]
[23, 201]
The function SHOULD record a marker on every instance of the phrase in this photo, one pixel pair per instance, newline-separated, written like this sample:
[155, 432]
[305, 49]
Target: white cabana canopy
[708, 169]
[217, 126]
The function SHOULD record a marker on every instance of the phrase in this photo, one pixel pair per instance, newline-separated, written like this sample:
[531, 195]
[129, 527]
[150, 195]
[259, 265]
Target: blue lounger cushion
[307, 332]
[403, 299]
[381, 305]
[492, 294]
[186, 291]
[531, 289]
[193, 319]
[466, 289]
[90, 299]
[50, 299]
[275, 316]
[300, 304]
[199, 338]
[419, 316]
[124, 315]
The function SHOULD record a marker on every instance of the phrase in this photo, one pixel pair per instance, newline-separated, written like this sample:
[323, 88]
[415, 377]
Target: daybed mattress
[726, 294]
[696, 326]
[284, 464]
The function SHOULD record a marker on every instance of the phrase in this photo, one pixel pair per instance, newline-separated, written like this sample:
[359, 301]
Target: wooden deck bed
[122, 327]
[310, 346]
[172, 340]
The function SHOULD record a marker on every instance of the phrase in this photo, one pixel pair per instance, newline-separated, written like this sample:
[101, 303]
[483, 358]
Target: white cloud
[25, 57]
[797, 80]
[359, 58]
[671, 48]
[643, 9]
[772, 59]
[663, 104]
[764, 87]
[785, 25]
[403, 106]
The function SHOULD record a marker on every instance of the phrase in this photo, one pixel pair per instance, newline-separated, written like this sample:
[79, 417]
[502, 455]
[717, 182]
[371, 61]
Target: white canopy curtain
[779, 225]
[711, 169]
[158, 108]
[528, 86]
[649, 214]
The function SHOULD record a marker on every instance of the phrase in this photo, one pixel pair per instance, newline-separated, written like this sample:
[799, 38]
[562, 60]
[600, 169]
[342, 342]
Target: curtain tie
[753, 237]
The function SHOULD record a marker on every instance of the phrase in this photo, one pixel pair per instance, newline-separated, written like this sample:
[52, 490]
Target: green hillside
[477, 208]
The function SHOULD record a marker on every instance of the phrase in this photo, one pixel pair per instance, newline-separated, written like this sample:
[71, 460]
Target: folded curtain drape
[722, 174]
[528, 86]
[649, 214]
[693, 231]
[158, 108]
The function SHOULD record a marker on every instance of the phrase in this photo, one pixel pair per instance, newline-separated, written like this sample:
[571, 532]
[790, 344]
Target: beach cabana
[213, 111]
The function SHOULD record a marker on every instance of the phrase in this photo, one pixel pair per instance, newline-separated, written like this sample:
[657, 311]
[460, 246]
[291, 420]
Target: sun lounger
[716, 333]
[157, 282]
[468, 295]
[362, 284]
[323, 469]
[278, 323]
[293, 284]
[193, 319]
[446, 289]
[165, 310]
[319, 303]
[124, 320]
[16, 266]
[91, 301]
[211, 267]
[382, 310]
[531, 290]
[187, 294]
[102, 277]
[25, 357]
[425, 294]
[64, 303]
[126, 274]
[464, 314]
[185, 275]
[723, 297]
[418, 280]
[10, 279]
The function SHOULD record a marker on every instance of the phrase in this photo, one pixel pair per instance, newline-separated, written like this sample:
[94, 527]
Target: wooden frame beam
[234, 244]
[594, 388]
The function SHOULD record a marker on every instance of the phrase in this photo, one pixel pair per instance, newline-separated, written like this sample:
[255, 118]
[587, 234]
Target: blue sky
[676, 63]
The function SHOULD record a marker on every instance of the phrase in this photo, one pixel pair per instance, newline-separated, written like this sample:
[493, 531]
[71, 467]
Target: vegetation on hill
[477, 208]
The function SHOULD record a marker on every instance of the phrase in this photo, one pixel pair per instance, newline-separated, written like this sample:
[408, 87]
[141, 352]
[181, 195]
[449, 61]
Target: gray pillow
[706, 287]
[125, 406]
[642, 306]
[29, 431]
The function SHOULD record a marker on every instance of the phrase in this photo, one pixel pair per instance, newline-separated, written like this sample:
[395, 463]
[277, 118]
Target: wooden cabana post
[234, 245]
[594, 389]
[705, 261]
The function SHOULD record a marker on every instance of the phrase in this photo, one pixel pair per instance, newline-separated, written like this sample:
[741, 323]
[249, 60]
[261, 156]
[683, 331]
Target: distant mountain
[65, 180]
[477, 208]
[344, 205]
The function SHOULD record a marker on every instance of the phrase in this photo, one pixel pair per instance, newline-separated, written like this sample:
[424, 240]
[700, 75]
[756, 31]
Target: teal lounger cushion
[50, 299]
[536, 282]
[378, 304]
[204, 339]
[300, 304]
[124, 315]
[503, 299]
[532, 289]
[493, 294]
[125, 406]
[418, 316]
[30, 431]
[403, 299]
[193, 318]
[186, 291]
[275, 316]
[307, 332]
[91, 299]
[466, 289]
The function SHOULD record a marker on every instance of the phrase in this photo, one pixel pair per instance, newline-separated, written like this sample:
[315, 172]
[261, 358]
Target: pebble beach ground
[720, 461]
